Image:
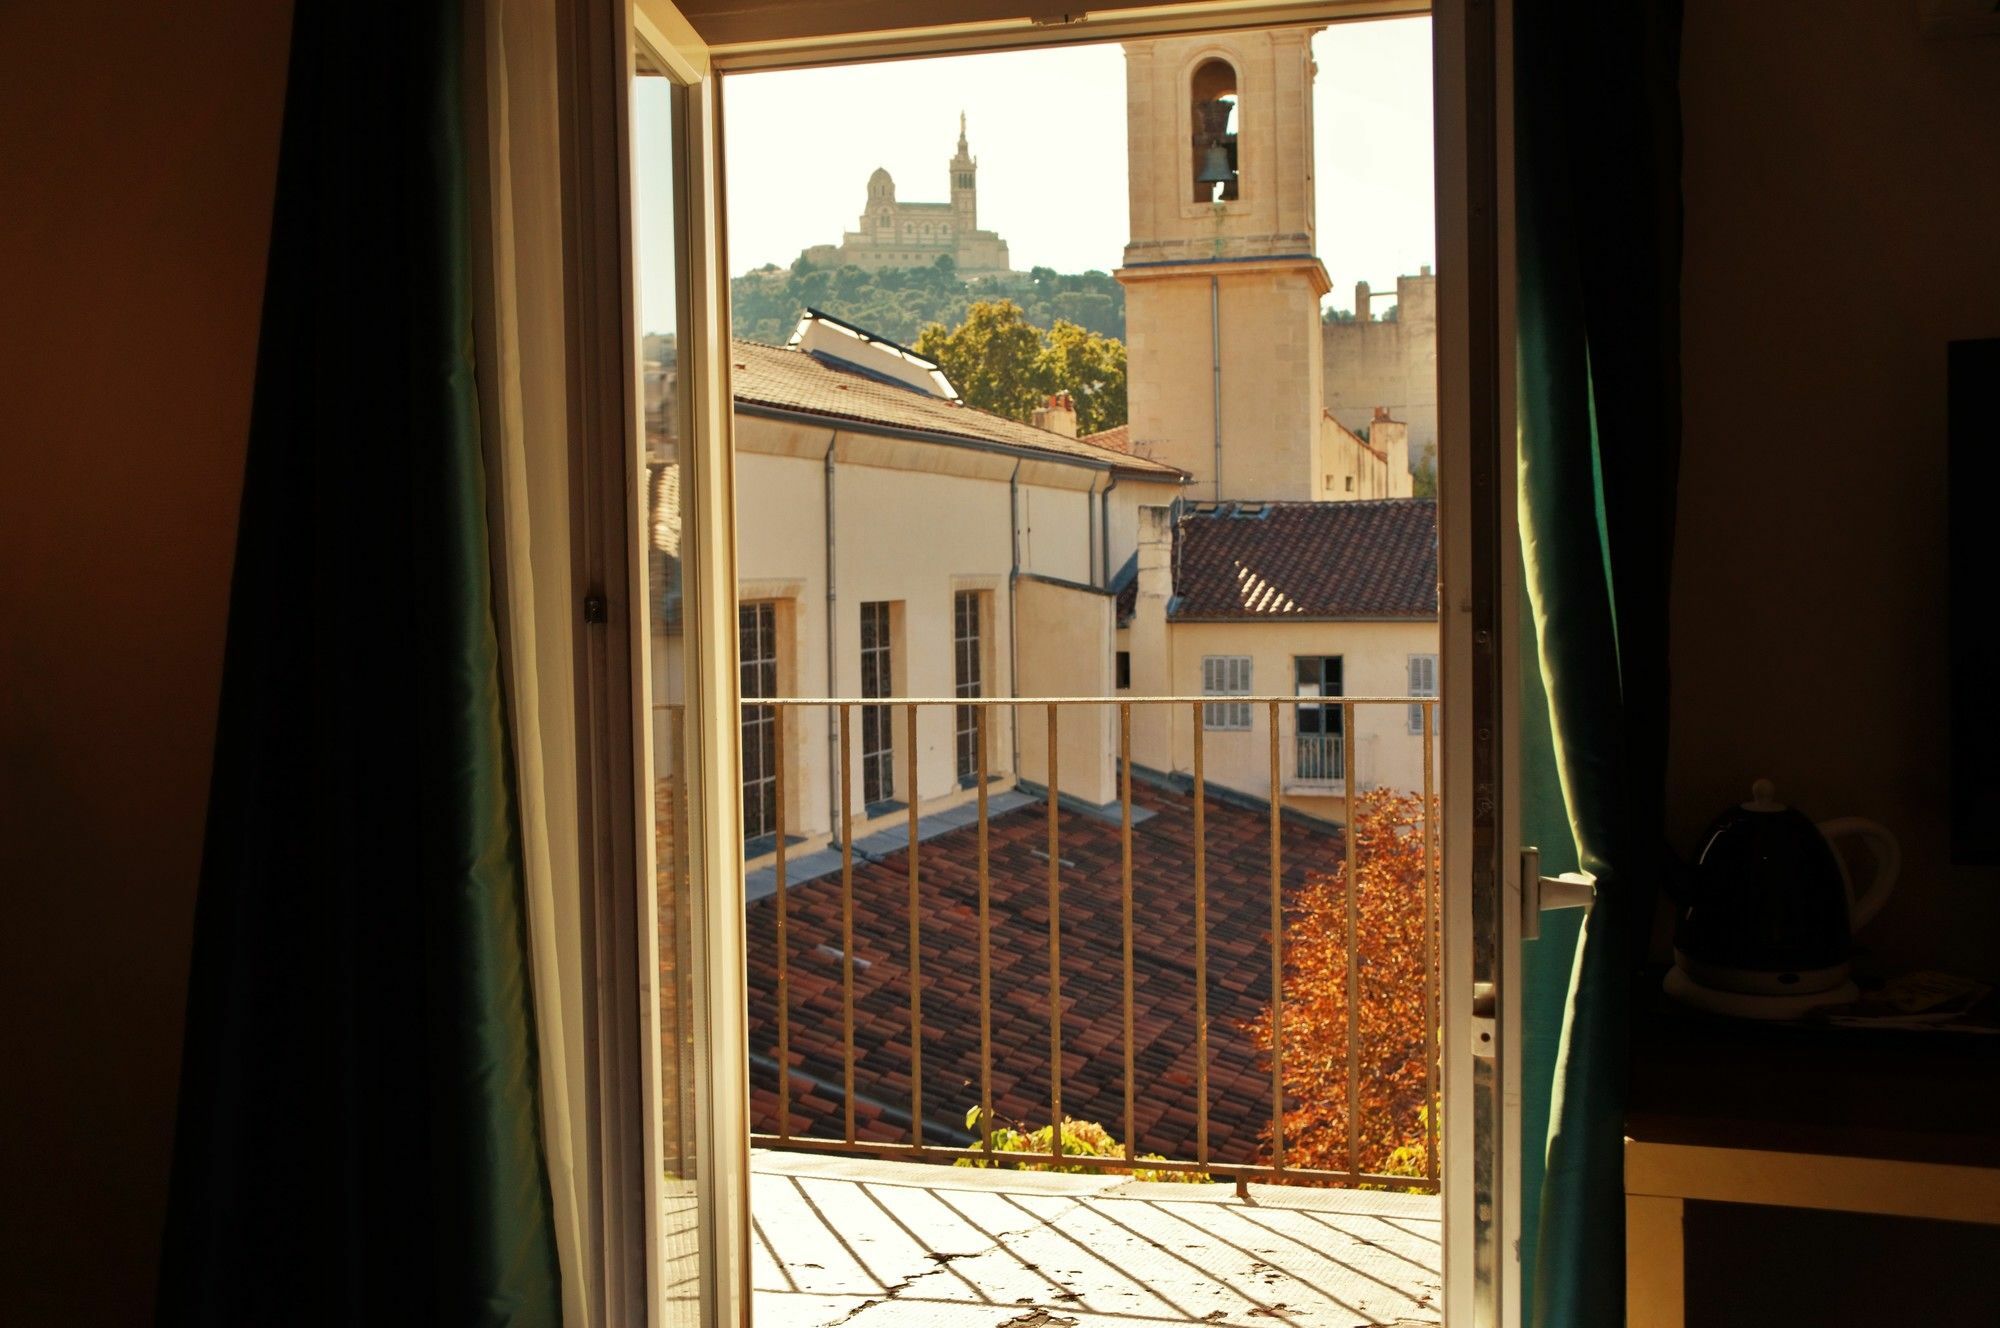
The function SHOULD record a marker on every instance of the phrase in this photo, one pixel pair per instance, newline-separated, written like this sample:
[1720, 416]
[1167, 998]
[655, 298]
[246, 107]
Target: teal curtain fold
[359, 1138]
[1597, 161]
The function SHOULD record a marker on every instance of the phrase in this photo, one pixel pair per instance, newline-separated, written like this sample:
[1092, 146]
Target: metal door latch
[1569, 890]
[1485, 1020]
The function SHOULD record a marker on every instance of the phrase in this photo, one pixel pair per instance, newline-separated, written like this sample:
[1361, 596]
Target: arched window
[1213, 119]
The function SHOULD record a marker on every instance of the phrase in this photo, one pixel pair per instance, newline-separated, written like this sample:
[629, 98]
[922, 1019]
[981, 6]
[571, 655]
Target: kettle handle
[1888, 862]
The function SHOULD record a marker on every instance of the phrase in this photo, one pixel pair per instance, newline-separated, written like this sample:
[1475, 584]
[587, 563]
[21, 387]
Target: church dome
[880, 185]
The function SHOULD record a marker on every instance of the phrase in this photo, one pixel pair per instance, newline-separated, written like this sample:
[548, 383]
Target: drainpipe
[1104, 532]
[1215, 369]
[1013, 616]
[832, 688]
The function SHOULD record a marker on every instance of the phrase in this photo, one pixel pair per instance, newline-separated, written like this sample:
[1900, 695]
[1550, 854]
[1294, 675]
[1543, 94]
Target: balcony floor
[883, 1244]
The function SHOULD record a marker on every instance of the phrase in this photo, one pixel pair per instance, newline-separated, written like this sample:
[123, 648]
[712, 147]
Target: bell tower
[1222, 286]
[964, 185]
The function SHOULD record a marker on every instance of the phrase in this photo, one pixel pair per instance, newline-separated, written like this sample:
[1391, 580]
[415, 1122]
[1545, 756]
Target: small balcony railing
[1330, 759]
[1319, 758]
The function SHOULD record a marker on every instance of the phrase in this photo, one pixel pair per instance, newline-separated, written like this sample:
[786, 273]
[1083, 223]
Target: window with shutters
[878, 742]
[1225, 675]
[757, 651]
[1423, 682]
[968, 647]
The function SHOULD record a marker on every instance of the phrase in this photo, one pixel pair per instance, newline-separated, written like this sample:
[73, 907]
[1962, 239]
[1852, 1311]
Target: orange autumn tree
[1395, 929]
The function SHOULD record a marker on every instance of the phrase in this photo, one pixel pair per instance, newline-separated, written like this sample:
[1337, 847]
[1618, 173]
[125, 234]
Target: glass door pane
[656, 114]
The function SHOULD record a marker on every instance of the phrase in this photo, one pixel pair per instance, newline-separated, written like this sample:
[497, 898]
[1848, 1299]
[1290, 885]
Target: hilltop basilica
[894, 234]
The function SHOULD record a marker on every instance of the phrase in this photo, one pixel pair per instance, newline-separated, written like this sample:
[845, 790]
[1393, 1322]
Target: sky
[1048, 128]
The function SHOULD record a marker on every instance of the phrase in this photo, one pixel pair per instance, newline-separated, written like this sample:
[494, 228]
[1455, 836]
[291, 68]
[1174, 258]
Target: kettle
[1765, 927]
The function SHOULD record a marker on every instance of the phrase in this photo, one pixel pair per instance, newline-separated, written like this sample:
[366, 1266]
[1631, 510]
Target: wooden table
[1728, 1111]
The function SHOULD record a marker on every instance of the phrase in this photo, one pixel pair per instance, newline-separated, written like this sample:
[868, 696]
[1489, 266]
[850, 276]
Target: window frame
[1429, 689]
[1478, 555]
[877, 749]
[964, 649]
[758, 676]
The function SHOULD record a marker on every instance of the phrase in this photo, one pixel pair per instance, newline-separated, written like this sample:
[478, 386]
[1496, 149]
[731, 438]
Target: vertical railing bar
[1125, 892]
[1353, 948]
[847, 921]
[985, 957]
[1200, 948]
[1055, 950]
[1277, 960]
[1430, 997]
[916, 964]
[784, 933]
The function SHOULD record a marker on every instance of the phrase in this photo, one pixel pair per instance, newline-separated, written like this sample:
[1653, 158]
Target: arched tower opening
[1212, 106]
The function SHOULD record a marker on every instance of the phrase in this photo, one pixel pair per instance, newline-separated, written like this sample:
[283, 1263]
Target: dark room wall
[1842, 185]
[138, 146]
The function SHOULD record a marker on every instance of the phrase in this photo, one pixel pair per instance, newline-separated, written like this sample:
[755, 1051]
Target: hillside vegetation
[898, 303]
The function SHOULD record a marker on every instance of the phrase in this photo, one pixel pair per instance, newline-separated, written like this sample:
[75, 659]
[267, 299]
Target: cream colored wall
[1269, 317]
[1392, 364]
[1126, 500]
[1839, 185]
[1066, 650]
[140, 166]
[1352, 469]
[914, 523]
[1375, 659]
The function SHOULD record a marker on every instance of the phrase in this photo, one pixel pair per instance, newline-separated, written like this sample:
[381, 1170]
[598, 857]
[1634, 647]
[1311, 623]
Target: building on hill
[1388, 363]
[897, 234]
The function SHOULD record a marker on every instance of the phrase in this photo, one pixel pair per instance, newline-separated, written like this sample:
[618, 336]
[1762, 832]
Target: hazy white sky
[1048, 128]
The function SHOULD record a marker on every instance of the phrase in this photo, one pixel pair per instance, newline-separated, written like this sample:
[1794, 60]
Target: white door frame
[1478, 563]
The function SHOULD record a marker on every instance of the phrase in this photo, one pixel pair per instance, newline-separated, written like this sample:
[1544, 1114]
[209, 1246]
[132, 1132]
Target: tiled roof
[1118, 439]
[1239, 975]
[789, 379]
[1373, 558]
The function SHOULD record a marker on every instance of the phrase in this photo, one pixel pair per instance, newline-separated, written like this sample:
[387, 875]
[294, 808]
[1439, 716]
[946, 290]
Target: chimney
[1058, 415]
[1391, 437]
[1361, 314]
[1156, 552]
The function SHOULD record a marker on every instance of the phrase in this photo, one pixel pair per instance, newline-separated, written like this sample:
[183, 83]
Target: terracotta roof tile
[788, 379]
[1239, 913]
[1372, 558]
[1118, 439]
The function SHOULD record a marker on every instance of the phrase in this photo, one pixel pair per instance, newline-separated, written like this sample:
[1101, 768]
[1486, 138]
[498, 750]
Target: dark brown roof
[1237, 840]
[794, 380]
[1374, 558]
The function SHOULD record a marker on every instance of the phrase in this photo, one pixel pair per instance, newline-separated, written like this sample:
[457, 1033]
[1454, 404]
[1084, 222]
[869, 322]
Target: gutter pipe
[1013, 617]
[832, 719]
[1215, 368]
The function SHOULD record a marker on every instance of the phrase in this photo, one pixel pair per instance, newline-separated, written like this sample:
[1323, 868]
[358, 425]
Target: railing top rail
[1228, 698]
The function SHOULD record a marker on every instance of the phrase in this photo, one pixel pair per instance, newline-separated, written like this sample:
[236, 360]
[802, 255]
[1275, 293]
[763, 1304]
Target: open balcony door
[1478, 619]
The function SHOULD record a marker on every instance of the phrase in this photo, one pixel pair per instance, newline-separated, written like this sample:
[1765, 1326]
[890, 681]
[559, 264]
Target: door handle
[1569, 890]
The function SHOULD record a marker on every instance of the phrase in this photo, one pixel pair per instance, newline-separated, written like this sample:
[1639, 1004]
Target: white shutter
[1423, 682]
[1225, 675]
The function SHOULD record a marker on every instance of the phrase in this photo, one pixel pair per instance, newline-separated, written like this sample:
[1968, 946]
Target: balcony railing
[1319, 758]
[1280, 884]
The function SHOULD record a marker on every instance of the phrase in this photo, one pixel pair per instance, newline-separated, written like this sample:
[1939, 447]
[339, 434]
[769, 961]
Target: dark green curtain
[1597, 161]
[359, 1137]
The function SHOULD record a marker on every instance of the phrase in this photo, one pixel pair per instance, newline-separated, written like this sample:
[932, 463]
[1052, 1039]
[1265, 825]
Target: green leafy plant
[1079, 1139]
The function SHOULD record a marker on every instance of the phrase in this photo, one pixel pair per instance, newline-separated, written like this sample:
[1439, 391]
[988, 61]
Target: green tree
[1091, 369]
[1000, 362]
[993, 358]
[1424, 479]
